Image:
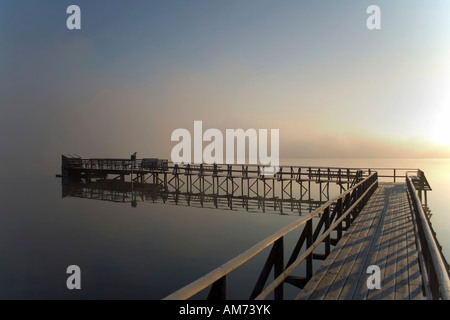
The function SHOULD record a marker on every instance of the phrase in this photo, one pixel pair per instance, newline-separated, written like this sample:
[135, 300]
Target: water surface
[153, 249]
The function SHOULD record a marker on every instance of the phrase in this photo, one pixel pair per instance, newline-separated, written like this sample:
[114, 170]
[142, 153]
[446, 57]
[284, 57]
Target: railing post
[219, 290]
[276, 260]
[326, 214]
[278, 267]
[338, 215]
[309, 242]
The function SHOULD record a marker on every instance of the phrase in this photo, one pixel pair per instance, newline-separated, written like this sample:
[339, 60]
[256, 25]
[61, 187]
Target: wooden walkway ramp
[383, 234]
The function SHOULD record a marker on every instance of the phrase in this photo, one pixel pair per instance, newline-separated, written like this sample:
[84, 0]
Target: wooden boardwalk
[381, 231]
[383, 234]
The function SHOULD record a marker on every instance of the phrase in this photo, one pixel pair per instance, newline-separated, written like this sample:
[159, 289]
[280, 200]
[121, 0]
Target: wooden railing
[295, 173]
[336, 214]
[434, 267]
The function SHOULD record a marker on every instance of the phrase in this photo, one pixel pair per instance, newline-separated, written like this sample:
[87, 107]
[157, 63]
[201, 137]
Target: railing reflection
[135, 192]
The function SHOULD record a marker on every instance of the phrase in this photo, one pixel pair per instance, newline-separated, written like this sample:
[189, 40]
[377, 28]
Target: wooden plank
[359, 269]
[380, 250]
[360, 290]
[330, 277]
[314, 282]
[402, 281]
[316, 287]
[388, 282]
[364, 227]
[383, 235]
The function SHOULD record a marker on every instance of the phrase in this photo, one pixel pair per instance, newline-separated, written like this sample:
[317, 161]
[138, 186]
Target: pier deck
[383, 235]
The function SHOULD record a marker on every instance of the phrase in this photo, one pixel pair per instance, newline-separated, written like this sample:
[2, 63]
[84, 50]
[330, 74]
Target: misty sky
[137, 70]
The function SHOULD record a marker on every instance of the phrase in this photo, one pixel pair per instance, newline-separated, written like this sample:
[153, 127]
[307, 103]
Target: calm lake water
[153, 249]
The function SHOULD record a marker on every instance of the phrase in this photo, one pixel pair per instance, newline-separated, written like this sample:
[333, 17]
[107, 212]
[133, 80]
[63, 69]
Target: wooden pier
[371, 228]
[211, 182]
[382, 235]
[371, 224]
[288, 191]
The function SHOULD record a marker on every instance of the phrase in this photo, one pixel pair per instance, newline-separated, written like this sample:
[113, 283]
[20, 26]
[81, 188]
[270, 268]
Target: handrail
[309, 171]
[215, 275]
[172, 164]
[437, 271]
[271, 287]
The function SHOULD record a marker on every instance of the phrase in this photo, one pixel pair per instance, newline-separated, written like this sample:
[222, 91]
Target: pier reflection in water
[136, 192]
[290, 189]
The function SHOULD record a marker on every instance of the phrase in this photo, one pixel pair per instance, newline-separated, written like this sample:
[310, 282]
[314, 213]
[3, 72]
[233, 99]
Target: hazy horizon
[137, 71]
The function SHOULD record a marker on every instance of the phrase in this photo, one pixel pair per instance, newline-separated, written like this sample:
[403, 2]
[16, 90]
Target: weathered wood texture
[382, 235]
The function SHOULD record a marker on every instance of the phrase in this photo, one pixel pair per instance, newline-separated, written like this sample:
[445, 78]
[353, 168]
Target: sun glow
[440, 133]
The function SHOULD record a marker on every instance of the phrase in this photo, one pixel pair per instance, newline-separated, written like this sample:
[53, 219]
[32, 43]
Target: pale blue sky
[137, 70]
